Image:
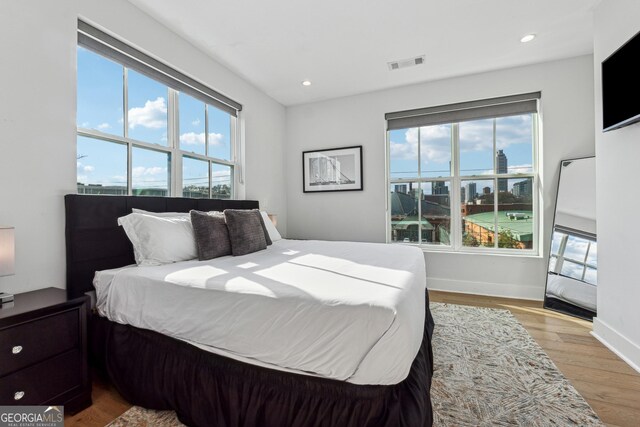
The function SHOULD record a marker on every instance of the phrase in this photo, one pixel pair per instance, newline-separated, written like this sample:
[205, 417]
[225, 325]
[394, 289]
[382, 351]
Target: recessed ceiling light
[306, 83]
[527, 38]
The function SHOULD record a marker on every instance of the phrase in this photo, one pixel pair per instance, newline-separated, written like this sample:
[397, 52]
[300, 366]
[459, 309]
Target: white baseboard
[617, 343]
[503, 290]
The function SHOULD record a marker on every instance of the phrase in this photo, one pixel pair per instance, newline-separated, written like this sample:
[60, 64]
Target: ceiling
[343, 46]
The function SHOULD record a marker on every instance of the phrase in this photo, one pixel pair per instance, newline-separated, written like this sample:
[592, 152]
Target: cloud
[83, 171]
[520, 168]
[196, 122]
[192, 138]
[140, 171]
[103, 126]
[216, 139]
[85, 124]
[81, 168]
[576, 248]
[153, 115]
[477, 135]
[435, 147]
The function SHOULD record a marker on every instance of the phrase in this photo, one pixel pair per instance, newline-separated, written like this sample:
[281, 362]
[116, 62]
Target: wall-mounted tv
[621, 86]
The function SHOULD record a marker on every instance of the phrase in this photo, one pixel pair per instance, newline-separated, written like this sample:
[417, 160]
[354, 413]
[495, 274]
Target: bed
[193, 336]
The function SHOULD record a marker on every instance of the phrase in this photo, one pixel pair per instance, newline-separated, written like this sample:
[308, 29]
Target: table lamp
[7, 258]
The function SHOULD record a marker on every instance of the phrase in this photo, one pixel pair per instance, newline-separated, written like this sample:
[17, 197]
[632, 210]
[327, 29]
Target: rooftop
[521, 228]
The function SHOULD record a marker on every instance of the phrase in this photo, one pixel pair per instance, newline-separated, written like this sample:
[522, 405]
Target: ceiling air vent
[404, 63]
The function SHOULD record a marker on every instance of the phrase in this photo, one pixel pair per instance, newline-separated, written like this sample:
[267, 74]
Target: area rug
[488, 372]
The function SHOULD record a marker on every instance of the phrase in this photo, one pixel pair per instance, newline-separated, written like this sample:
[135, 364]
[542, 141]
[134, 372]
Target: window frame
[175, 153]
[456, 229]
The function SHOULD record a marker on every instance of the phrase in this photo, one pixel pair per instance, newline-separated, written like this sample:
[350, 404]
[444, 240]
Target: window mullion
[206, 148]
[125, 123]
[129, 169]
[235, 150]
[173, 131]
[496, 189]
[125, 100]
[456, 214]
[210, 171]
[584, 261]
[535, 192]
[419, 192]
[206, 130]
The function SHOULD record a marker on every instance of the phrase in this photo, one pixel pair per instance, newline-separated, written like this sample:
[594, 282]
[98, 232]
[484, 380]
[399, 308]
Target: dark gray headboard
[96, 242]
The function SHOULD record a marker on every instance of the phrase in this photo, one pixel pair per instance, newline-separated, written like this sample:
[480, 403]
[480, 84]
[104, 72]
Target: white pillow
[160, 240]
[274, 235]
[136, 255]
[160, 214]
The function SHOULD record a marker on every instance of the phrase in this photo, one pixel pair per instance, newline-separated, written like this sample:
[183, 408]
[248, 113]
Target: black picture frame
[332, 169]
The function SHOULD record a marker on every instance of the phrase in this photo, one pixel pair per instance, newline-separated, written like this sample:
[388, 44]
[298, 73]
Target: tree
[470, 240]
[506, 239]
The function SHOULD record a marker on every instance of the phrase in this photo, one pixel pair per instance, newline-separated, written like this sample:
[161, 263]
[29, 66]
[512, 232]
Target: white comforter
[340, 310]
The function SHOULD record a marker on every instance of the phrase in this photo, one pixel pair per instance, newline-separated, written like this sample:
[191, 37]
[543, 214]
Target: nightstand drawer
[42, 382]
[31, 342]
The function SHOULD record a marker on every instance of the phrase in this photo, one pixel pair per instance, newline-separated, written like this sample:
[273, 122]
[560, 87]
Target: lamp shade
[7, 250]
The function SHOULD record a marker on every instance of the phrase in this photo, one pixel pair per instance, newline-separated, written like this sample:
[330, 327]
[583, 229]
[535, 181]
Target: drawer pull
[18, 395]
[17, 349]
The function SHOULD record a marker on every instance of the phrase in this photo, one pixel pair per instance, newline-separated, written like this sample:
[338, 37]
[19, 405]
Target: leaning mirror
[572, 272]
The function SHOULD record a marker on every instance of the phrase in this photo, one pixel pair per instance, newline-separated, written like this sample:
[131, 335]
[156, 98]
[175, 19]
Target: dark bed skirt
[158, 372]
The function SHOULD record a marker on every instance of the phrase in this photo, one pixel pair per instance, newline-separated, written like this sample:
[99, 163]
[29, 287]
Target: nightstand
[43, 351]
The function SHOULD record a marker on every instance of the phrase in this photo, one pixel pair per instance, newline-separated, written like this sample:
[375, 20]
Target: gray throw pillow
[245, 231]
[264, 228]
[211, 233]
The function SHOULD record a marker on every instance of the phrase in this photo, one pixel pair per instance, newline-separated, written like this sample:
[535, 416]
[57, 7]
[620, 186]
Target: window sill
[448, 250]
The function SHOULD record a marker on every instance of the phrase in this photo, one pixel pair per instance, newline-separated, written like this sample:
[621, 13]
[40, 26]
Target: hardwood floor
[610, 386]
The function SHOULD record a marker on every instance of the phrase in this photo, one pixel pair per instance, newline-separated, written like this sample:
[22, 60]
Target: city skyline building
[523, 188]
[470, 192]
[439, 188]
[502, 167]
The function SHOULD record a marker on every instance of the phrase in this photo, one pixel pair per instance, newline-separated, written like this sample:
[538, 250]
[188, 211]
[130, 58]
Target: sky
[513, 135]
[101, 107]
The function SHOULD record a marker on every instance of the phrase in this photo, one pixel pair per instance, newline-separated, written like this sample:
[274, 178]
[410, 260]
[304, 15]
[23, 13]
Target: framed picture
[334, 169]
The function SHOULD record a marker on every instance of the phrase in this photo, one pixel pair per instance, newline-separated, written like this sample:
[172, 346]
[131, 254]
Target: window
[145, 129]
[464, 177]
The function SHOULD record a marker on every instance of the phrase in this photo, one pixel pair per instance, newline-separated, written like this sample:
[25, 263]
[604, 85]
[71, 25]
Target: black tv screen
[621, 86]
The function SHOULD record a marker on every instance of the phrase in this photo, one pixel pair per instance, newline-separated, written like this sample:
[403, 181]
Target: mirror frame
[555, 304]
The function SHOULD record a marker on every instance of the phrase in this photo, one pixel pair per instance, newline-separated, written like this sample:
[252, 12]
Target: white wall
[617, 155]
[37, 122]
[568, 117]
